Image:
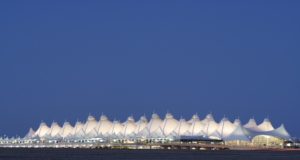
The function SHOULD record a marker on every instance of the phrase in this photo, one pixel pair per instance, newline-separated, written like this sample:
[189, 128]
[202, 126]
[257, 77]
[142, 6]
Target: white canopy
[53, 132]
[169, 128]
[279, 132]
[77, 131]
[210, 125]
[66, 130]
[237, 122]
[141, 125]
[30, 134]
[196, 128]
[182, 128]
[252, 125]
[153, 126]
[117, 130]
[129, 127]
[266, 125]
[90, 127]
[169, 124]
[104, 126]
[239, 133]
[42, 130]
[225, 128]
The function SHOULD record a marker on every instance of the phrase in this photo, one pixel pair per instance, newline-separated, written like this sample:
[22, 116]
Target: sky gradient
[61, 61]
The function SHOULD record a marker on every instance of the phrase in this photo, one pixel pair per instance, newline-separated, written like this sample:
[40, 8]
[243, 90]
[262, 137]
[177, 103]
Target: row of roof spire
[157, 128]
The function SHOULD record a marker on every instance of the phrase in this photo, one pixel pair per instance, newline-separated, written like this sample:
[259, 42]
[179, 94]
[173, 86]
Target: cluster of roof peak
[169, 127]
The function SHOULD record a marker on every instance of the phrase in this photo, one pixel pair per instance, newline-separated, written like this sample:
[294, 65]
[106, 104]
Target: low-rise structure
[157, 130]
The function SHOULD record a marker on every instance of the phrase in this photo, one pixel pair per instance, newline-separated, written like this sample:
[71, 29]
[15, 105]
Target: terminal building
[158, 130]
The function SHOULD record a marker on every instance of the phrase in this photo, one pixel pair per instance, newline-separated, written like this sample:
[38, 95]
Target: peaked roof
[182, 128]
[77, 131]
[141, 124]
[66, 130]
[266, 125]
[158, 128]
[42, 130]
[196, 128]
[169, 124]
[240, 133]
[30, 134]
[279, 132]
[237, 122]
[210, 125]
[54, 131]
[129, 127]
[104, 126]
[252, 125]
[77, 128]
[225, 127]
[154, 123]
[117, 128]
[90, 125]
[194, 117]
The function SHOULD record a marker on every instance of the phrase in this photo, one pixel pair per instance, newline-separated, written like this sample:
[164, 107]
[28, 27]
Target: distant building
[159, 130]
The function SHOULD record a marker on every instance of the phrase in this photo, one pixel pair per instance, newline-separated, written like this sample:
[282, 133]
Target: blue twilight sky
[63, 60]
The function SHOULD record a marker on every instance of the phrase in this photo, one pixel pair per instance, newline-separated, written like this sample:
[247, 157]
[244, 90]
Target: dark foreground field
[96, 154]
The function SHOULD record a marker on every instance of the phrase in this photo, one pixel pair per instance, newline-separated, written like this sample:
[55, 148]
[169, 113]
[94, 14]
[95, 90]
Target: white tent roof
[54, 131]
[252, 125]
[237, 122]
[66, 130]
[104, 126]
[266, 125]
[156, 128]
[196, 128]
[30, 134]
[239, 133]
[90, 127]
[158, 133]
[225, 128]
[154, 123]
[215, 135]
[141, 124]
[210, 125]
[169, 124]
[279, 132]
[195, 116]
[182, 128]
[42, 130]
[129, 127]
[153, 128]
[77, 131]
[117, 129]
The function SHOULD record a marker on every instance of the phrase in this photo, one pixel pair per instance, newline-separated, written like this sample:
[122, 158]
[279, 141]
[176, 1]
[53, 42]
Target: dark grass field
[97, 154]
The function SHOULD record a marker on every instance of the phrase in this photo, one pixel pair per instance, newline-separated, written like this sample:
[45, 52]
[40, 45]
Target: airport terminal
[157, 132]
